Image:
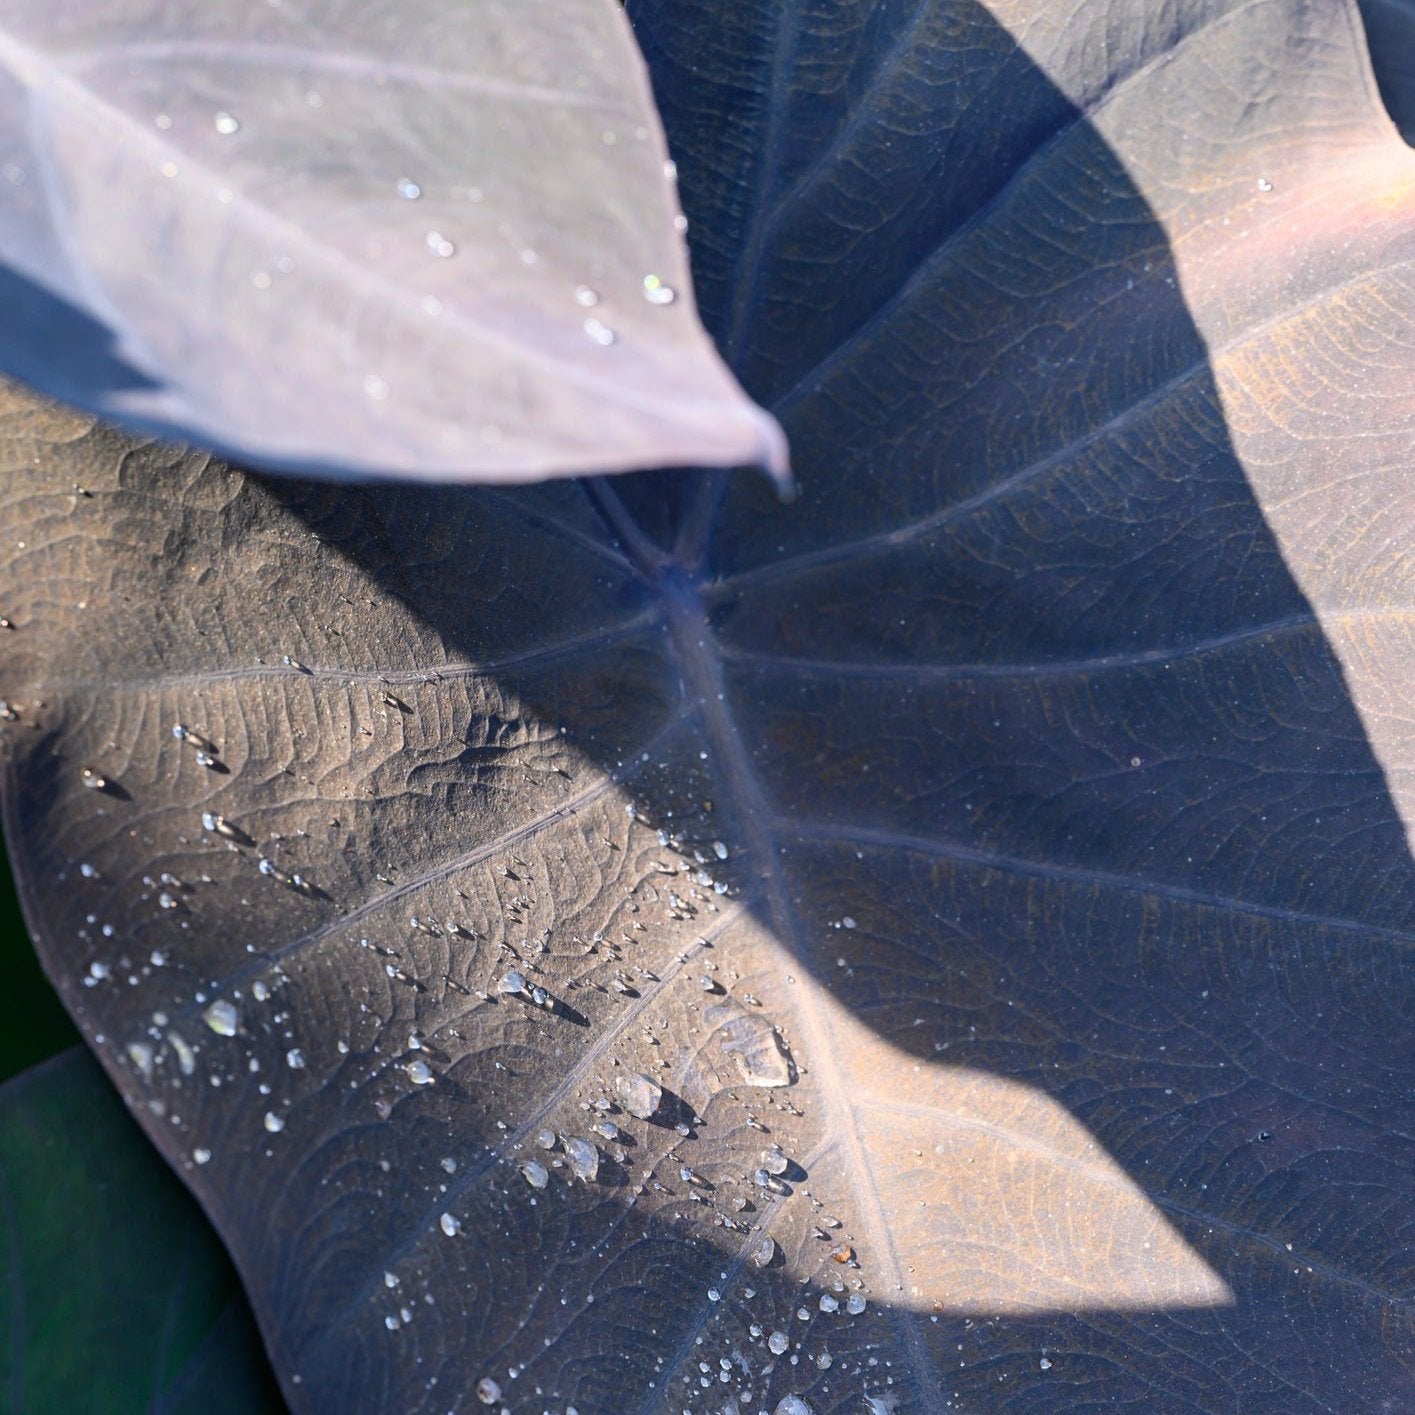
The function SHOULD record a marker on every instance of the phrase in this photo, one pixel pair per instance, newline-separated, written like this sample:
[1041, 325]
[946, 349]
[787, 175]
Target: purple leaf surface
[945, 944]
[431, 240]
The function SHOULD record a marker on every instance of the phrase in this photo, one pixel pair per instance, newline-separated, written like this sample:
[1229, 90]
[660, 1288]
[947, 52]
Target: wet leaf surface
[986, 879]
[116, 1294]
[437, 243]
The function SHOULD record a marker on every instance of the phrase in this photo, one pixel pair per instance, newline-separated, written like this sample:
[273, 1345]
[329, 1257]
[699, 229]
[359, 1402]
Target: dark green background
[33, 1023]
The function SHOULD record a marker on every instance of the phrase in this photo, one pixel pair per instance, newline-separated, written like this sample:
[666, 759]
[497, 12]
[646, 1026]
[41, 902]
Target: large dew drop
[640, 1095]
[583, 1158]
[222, 1018]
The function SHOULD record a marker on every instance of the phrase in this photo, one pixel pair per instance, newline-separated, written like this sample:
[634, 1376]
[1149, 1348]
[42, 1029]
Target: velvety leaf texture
[944, 944]
[427, 239]
[116, 1295]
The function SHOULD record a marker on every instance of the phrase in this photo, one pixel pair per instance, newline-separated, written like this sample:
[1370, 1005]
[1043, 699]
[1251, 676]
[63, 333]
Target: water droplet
[488, 1392]
[260, 990]
[267, 867]
[167, 900]
[295, 1059]
[163, 121]
[95, 781]
[1044, 1364]
[180, 732]
[829, 1303]
[1264, 185]
[439, 245]
[545, 1139]
[273, 1123]
[375, 387]
[186, 1057]
[606, 1130]
[535, 1173]
[843, 1254]
[226, 124]
[719, 849]
[419, 1072]
[763, 1252]
[586, 297]
[777, 1342]
[201, 1155]
[774, 1162]
[140, 1054]
[88, 871]
[222, 1018]
[657, 293]
[602, 334]
[583, 1157]
[855, 1304]
[640, 1095]
[409, 189]
[511, 983]
[450, 1225]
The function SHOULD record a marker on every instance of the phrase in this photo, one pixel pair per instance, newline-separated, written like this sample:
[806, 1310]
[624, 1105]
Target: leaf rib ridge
[654, 1403]
[250, 969]
[759, 661]
[369, 67]
[474, 1170]
[601, 637]
[1083, 115]
[828, 832]
[695, 650]
[790, 566]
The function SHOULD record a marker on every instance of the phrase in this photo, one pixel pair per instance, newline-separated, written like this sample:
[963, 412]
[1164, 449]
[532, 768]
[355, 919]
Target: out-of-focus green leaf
[115, 1295]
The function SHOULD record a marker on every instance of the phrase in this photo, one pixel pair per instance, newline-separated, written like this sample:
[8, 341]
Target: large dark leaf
[116, 1295]
[1054, 745]
[436, 240]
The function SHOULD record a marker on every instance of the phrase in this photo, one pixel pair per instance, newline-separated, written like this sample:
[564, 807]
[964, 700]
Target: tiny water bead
[439, 245]
[535, 1173]
[419, 1072]
[225, 124]
[450, 1225]
[295, 1059]
[777, 1343]
[93, 779]
[601, 334]
[273, 1122]
[657, 293]
[409, 189]
[585, 297]
[488, 1392]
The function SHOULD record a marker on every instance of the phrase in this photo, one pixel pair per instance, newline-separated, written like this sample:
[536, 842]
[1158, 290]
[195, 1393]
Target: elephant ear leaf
[645, 948]
[438, 242]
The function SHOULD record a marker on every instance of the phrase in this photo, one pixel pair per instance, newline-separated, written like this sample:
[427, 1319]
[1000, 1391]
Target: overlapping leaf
[437, 241]
[998, 860]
